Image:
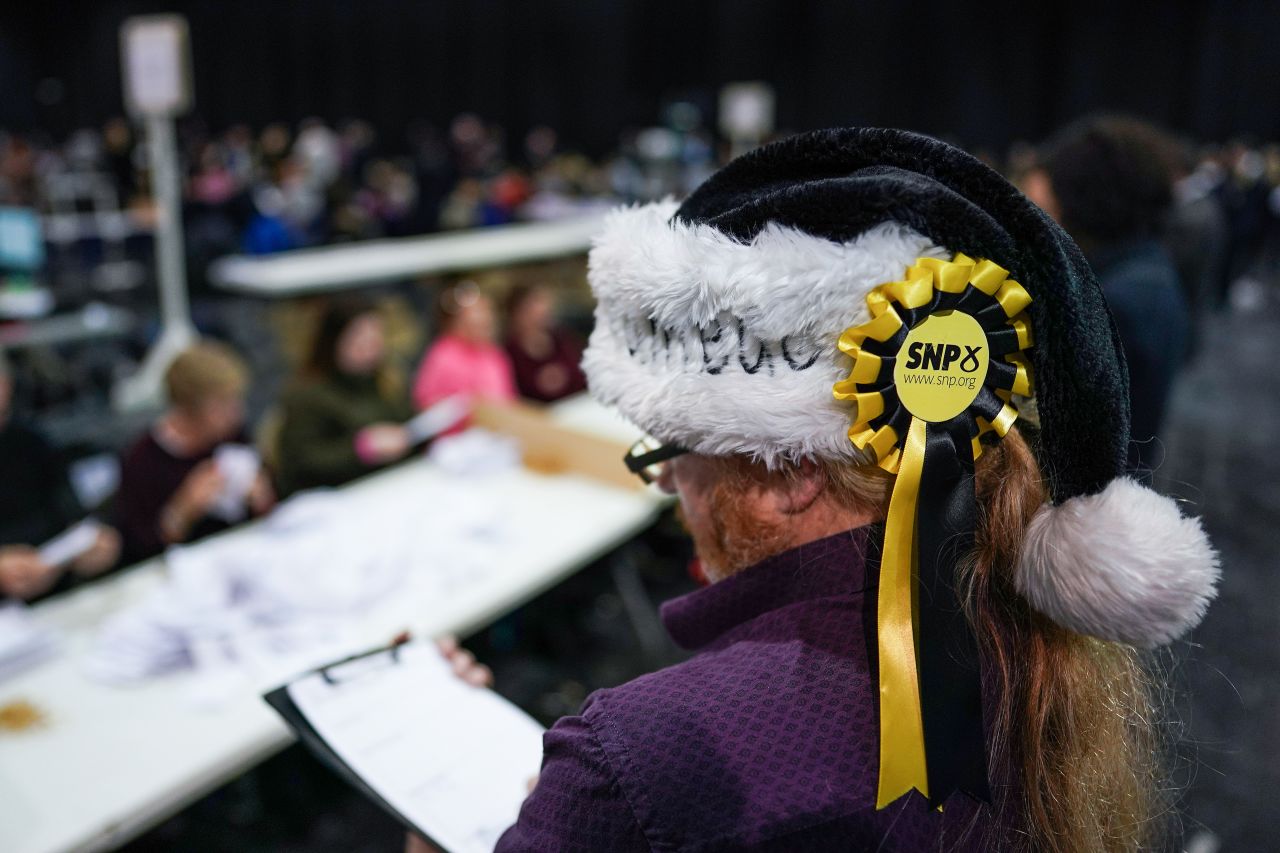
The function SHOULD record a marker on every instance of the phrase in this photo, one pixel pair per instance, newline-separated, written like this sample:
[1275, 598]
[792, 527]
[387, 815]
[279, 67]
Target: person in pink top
[465, 359]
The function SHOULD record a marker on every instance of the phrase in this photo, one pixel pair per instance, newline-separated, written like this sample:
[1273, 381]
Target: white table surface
[332, 268]
[112, 761]
[582, 413]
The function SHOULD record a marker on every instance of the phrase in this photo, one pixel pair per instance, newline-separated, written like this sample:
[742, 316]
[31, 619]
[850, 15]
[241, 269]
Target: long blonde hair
[1073, 737]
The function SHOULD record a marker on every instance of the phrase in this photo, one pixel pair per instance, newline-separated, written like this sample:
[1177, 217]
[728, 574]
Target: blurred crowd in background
[283, 187]
[280, 187]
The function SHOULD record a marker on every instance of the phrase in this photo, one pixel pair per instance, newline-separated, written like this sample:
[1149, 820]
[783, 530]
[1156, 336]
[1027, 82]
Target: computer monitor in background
[21, 241]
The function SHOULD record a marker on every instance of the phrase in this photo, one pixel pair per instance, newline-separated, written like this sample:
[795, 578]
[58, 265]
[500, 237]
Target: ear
[795, 491]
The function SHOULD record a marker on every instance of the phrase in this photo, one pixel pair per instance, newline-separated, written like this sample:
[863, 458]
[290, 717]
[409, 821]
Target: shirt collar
[833, 566]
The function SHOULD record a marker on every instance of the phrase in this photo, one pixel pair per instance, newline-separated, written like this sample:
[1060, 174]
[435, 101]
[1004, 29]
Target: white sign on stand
[157, 65]
[746, 114]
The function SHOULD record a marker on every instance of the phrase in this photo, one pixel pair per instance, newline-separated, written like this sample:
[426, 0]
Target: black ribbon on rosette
[932, 736]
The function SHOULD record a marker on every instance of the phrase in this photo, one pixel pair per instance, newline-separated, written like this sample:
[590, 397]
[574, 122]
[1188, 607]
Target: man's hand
[192, 501]
[262, 497]
[23, 574]
[102, 556]
[464, 663]
[378, 444]
[200, 489]
[414, 843]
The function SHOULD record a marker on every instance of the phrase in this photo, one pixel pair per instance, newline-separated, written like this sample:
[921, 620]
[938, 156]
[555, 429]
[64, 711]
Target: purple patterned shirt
[766, 740]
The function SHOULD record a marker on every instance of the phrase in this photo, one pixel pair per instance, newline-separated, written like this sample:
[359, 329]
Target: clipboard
[280, 700]
[472, 827]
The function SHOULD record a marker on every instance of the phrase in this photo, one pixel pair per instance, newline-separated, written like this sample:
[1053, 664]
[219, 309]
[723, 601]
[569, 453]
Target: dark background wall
[985, 73]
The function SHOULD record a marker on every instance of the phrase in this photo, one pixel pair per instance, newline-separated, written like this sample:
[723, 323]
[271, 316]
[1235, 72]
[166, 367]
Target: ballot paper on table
[74, 542]
[239, 465]
[437, 418]
[450, 761]
[24, 642]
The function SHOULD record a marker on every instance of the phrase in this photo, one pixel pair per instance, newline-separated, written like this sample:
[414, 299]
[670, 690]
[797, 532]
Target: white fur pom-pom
[1122, 565]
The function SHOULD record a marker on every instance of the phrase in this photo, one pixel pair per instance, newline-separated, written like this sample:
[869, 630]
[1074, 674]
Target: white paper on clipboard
[453, 759]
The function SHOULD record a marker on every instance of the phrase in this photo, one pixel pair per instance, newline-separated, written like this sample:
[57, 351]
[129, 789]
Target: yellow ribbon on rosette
[935, 370]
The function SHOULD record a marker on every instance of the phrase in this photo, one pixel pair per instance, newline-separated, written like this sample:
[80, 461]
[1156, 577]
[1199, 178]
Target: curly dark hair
[1112, 176]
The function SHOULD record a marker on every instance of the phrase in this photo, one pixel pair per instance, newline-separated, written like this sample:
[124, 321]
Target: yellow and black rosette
[934, 371]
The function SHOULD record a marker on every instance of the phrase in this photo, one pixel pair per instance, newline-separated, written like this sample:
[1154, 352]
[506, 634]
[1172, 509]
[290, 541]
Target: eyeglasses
[646, 456]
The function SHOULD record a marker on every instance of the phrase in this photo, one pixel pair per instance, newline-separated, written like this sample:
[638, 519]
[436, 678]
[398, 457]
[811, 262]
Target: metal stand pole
[143, 389]
[170, 251]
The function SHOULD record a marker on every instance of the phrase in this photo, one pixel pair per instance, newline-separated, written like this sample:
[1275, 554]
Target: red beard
[732, 537]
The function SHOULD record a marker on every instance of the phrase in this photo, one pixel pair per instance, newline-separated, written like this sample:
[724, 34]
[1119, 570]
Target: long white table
[111, 761]
[87, 324]
[359, 264]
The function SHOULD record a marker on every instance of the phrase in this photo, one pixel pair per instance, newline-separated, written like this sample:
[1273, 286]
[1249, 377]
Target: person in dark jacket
[37, 502]
[891, 402]
[339, 419]
[1109, 181]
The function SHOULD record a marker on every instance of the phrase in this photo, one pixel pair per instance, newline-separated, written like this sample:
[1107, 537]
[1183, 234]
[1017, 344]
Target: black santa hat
[718, 323]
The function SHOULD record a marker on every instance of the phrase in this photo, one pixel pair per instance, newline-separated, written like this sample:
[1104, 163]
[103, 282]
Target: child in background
[169, 479]
[37, 502]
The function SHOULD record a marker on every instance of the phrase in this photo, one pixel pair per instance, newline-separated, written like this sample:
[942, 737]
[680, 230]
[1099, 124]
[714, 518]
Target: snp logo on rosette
[941, 366]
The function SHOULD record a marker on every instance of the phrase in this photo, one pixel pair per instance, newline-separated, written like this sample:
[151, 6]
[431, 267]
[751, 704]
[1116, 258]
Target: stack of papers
[282, 596]
[475, 452]
[23, 641]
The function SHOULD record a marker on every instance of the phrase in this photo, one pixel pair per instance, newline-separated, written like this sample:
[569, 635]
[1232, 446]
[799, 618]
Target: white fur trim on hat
[1123, 565]
[728, 347]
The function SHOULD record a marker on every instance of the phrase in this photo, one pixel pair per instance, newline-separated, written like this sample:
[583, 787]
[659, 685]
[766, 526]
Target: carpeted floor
[1224, 459]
